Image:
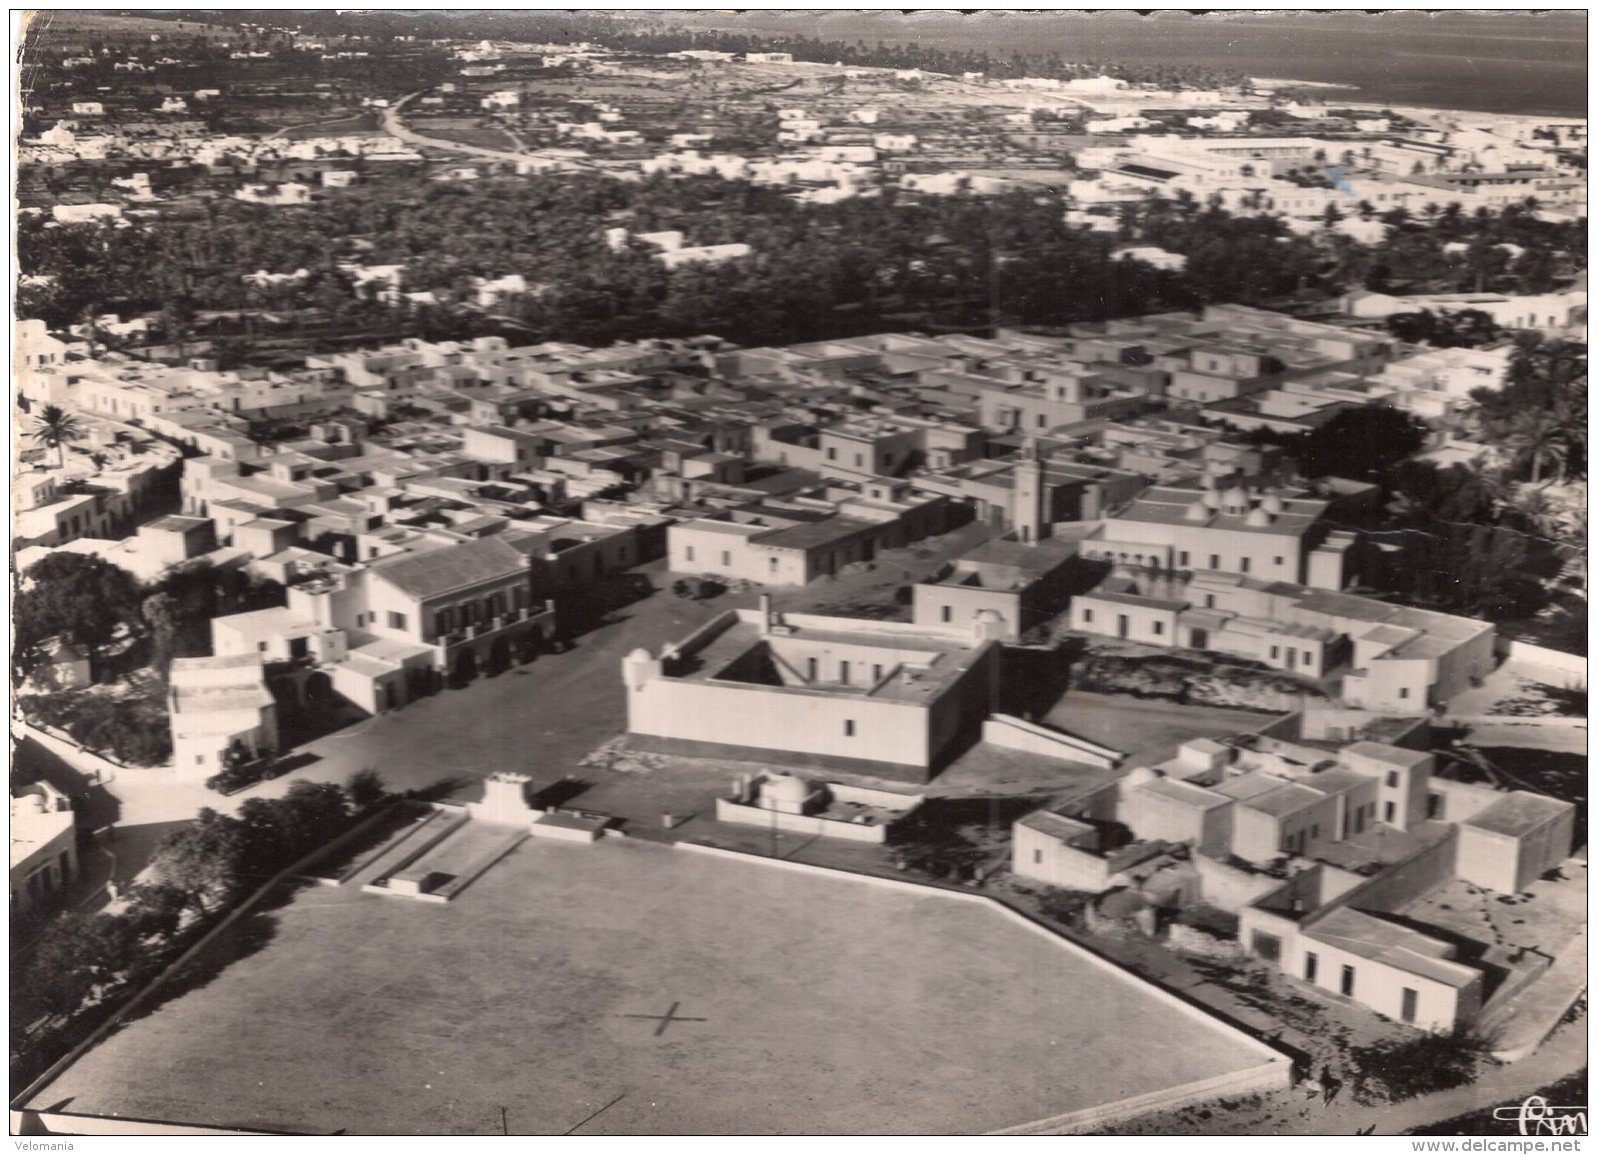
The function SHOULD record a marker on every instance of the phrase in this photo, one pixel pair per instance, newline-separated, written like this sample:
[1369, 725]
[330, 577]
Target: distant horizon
[1423, 59]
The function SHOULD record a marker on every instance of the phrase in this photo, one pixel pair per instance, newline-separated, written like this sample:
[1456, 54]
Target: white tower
[1025, 512]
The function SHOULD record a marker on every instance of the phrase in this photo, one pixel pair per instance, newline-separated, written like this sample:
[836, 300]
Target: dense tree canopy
[816, 270]
[1364, 443]
[77, 953]
[1467, 328]
[79, 597]
[1540, 414]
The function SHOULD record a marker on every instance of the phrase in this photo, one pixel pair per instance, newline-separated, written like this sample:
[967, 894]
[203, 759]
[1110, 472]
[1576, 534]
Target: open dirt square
[797, 1003]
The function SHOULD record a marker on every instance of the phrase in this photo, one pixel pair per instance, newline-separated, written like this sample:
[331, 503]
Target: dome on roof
[1272, 503]
[640, 655]
[785, 789]
[1197, 511]
[989, 616]
[1211, 499]
[1141, 775]
[1259, 517]
[1235, 497]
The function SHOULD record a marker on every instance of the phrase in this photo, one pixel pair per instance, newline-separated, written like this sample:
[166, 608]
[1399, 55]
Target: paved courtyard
[802, 1004]
[541, 718]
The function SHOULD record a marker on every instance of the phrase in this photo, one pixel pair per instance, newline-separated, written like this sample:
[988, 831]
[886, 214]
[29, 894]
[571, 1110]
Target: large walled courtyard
[802, 1004]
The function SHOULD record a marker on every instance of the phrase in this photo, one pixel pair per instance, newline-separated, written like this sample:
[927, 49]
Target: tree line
[84, 960]
[816, 270]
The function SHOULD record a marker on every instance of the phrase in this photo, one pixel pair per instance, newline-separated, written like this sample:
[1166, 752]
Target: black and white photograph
[621, 573]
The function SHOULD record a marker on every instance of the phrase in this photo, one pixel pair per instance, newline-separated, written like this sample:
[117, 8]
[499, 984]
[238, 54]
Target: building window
[1086, 615]
[1433, 806]
[687, 553]
[397, 621]
[1389, 812]
[1402, 692]
[1214, 561]
[1036, 858]
[1275, 652]
[1280, 561]
[1347, 980]
[811, 668]
[1208, 601]
[261, 646]
[1391, 778]
[1266, 946]
[1158, 628]
[726, 557]
[876, 673]
[831, 455]
[1311, 966]
[1314, 831]
[1042, 421]
[842, 672]
[848, 727]
[1247, 564]
[1411, 1004]
[1307, 660]
[774, 563]
[948, 613]
[1185, 559]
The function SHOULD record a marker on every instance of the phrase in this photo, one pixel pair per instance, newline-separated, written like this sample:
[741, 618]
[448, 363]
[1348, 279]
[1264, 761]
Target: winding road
[396, 128]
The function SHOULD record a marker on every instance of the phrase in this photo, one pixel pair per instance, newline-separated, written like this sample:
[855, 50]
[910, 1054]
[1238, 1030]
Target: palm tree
[54, 427]
[1539, 435]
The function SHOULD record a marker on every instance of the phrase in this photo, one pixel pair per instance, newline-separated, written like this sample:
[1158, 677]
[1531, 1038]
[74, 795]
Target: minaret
[1025, 513]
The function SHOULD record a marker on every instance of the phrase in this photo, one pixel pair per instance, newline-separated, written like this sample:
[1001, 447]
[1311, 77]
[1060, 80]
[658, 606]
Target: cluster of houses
[446, 496]
[1347, 177]
[451, 506]
[1317, 835]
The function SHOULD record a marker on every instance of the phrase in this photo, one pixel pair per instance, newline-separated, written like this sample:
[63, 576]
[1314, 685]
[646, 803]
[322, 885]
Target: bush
[365, 788]
[1397, 1069]
[1063, 906]
[78, 953]
[156, 909]
[132, 730]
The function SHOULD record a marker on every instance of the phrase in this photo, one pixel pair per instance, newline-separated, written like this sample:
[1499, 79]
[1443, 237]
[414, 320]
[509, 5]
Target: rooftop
[917, 664]
[1269, 795]
[440, 571]
[1056, 825]
[1519, 813]
[1186, 793]
[1385, 942]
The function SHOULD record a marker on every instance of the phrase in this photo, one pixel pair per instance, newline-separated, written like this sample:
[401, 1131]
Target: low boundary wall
[1572, 666]
[42, 1123]
[1016, 734]
[743, 814]
[83, 761]
[1273, 1072]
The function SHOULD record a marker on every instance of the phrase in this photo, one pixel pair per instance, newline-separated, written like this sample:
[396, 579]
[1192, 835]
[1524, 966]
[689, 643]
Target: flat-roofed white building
[44, 845]
[217, 704]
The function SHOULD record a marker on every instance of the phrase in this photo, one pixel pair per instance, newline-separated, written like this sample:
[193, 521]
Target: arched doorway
[499, 656]
[464, 671]
[318, 694]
